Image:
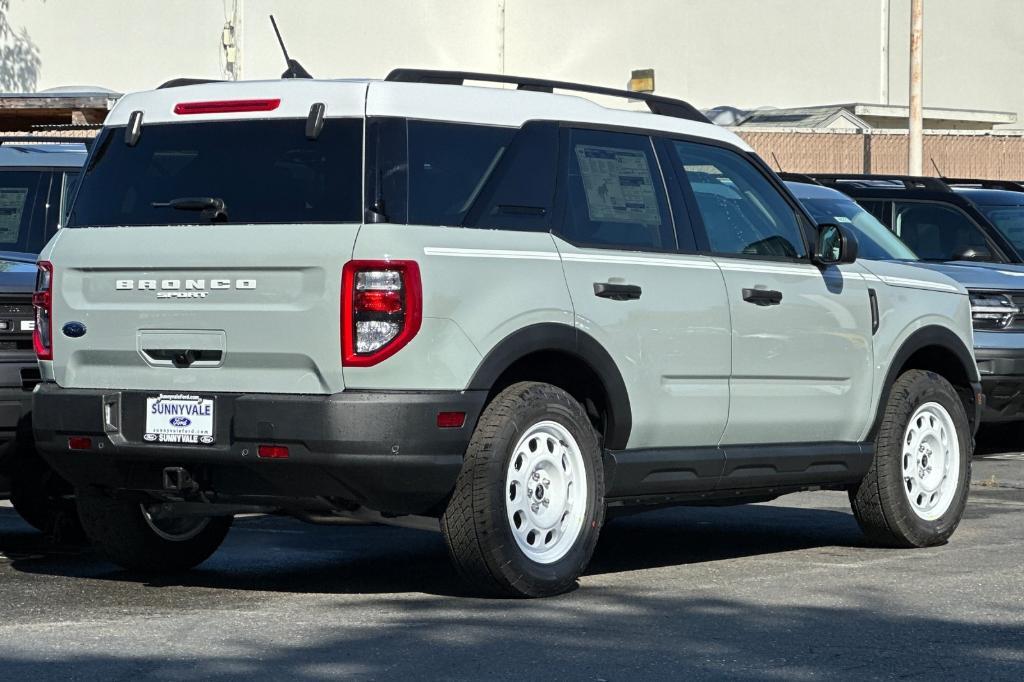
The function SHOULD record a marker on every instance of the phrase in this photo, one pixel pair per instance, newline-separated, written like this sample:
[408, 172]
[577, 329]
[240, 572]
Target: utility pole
[916, 141]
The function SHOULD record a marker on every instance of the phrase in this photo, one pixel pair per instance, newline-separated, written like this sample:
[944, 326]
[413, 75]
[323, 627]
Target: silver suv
[501, 313]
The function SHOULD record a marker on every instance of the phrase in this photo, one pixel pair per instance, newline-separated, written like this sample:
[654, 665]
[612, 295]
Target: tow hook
[177, 479]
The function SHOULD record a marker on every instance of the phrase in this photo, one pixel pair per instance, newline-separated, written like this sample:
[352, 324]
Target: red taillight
[272, 452]
[450, 420]
[387, 302]
[42, 301]
[381, 309]
[79, 443]
[226, 106]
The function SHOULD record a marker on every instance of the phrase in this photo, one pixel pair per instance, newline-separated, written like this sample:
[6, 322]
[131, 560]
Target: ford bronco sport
[498, 312]
[35, 178]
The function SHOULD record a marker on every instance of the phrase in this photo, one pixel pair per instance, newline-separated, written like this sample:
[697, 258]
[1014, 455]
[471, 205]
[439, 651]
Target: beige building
[743, 53]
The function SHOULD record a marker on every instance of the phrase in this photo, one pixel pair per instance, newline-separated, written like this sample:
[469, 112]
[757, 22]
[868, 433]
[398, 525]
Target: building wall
[742, 52]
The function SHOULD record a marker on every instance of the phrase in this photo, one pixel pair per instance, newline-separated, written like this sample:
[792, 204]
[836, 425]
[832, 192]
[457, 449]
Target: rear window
[263, 172]
[23, 207]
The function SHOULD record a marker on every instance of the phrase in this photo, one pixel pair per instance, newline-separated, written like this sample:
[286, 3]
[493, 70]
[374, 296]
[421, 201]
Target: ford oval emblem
[74, 329]
[180, 422]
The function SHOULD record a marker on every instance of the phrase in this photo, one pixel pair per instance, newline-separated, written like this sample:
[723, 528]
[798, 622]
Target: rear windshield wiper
[213, 208]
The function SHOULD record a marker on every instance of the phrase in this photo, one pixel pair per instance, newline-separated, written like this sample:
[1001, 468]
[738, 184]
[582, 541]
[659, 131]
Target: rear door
[640, 290]
[250, 290]
[801, 335]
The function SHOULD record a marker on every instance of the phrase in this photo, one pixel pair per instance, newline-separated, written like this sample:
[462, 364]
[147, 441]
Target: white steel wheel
[930, 461]
[176, 529]
[546, 492]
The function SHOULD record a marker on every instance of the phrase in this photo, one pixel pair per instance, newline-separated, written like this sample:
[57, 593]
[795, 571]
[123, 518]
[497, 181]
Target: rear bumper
[382, 450]
[1002, 381]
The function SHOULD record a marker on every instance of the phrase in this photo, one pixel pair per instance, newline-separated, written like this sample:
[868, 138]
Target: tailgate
[253, 308]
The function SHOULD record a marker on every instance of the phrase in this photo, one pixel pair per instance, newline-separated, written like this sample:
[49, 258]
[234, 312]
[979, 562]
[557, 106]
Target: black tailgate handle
[617, 292]
[762, 296]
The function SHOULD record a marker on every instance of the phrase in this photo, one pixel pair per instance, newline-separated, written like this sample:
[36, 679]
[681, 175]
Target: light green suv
[501, 313]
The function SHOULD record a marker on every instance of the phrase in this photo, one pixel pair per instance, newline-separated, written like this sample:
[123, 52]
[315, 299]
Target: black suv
[944, 219]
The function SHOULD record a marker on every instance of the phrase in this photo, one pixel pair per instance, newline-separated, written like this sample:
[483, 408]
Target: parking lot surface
[779, 590]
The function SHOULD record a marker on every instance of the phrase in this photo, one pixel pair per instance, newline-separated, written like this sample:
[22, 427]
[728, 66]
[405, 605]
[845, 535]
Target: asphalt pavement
[784, 590]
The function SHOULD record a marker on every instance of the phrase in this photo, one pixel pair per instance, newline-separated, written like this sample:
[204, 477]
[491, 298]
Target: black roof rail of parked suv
[872, 180]
[664, 106]
[1008, 185]
[798, 177]
[44, 139]
[182, 82]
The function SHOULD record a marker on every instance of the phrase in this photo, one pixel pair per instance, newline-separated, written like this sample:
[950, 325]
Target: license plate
[179, 418]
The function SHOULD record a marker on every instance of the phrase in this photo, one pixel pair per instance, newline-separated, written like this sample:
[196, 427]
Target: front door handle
[617, 292]
[762, 296]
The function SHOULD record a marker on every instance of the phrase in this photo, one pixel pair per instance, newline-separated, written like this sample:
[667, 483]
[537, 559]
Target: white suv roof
[428, 101]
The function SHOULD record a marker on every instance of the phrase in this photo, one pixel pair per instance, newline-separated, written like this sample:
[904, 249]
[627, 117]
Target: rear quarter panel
[479, 286]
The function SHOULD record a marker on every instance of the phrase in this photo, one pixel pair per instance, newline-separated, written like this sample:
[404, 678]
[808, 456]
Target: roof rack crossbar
[909, 181]
[664, 106]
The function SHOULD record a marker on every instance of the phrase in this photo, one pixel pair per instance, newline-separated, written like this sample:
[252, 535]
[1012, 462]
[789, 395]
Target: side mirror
[976, 253]
[836, 245]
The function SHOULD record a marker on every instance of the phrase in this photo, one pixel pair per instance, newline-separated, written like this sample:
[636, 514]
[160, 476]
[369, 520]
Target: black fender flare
[552, 336]
[931, 335]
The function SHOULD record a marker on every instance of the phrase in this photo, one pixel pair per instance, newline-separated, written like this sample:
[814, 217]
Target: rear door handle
[617, 292]
[762, 296]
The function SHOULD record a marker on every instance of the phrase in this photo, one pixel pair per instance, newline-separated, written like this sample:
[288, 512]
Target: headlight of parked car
[991, 311]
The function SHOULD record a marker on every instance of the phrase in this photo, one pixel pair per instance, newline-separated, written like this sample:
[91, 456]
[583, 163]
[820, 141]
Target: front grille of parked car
[14, 310]
[1018, 320]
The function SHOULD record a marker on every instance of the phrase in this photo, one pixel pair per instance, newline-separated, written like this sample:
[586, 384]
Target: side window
[743, 213]
[67, 193]
[882, 210]
[23, 197]
[520, 192]
[936, 231]
[449, 164]
[614, 193]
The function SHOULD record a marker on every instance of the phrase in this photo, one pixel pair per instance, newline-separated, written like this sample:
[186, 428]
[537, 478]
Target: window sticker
[618, 184]
[12, 207]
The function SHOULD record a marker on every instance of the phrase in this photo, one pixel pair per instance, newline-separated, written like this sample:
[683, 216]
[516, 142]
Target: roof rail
[908, 181]
[44, 139]
[665, 106]
[181, 82]
[798, 177]
[1007, 185]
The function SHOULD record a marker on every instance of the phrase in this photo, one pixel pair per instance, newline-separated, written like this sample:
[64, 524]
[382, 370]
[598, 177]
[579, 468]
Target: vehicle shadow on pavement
[596, 634]
[281, 555]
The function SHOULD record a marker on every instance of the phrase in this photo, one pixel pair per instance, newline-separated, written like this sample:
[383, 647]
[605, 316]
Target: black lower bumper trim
[382, 450]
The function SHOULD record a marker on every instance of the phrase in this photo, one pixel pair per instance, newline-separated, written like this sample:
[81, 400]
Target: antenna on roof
[777, 164]
[294, 69]
[936, 166]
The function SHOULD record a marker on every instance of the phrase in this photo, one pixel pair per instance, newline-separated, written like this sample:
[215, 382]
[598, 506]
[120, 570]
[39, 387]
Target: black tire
[475, 525]
[121, 532]
[40, 495]
[880, 502]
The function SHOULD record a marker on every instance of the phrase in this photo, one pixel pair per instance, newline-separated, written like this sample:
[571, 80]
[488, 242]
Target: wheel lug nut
[536, 476]
[546, 502]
